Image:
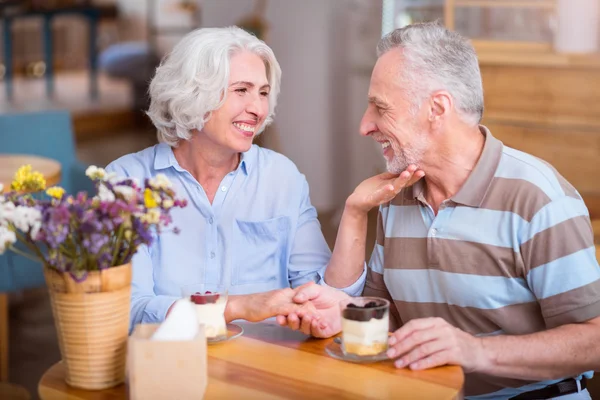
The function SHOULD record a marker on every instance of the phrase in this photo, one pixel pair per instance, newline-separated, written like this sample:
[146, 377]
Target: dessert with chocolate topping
[365, 325]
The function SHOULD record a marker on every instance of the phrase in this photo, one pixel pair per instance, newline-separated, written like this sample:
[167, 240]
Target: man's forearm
[560, 352]
[348, 258]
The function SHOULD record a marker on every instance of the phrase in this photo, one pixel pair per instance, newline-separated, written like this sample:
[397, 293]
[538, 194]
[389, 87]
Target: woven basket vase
[92, 322]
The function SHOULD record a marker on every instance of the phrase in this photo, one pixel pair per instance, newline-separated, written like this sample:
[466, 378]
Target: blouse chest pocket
[261, 250]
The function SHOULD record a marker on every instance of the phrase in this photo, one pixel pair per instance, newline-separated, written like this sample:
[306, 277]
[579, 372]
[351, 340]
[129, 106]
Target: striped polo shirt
[511, 253]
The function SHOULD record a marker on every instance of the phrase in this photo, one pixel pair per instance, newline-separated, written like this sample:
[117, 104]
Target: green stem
[31, 246]
[24, 254]
[117, 244]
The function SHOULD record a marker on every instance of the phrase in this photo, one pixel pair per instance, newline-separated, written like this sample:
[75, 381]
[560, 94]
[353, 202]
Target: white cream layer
[213, 317]
[365, 332]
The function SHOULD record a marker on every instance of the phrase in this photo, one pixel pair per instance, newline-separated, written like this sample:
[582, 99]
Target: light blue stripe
[493, 227]
[464, 290]
[376, 262]
[554, 213]
[529, 169]
[404, 222]
[495, 333]
[564, 274]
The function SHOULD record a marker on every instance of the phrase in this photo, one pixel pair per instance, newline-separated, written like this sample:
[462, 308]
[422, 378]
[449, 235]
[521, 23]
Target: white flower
[104, 194]
[151, 217]
[6, 213]
[160, 181]
[35, 229]
[7, 237]
[168, 203]
[26, 217]
[94, 172]
[127, 192]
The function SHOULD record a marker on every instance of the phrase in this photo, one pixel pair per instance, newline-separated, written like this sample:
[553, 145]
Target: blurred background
[540, 61]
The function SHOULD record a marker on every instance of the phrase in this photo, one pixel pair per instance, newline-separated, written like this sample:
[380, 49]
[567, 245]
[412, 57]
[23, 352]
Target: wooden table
[9, 163]
[271, 362]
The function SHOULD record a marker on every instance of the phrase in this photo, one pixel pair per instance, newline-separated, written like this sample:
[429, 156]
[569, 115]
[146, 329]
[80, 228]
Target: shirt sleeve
[375, 283]
[146, 306]
[309, 251]
[560, 262]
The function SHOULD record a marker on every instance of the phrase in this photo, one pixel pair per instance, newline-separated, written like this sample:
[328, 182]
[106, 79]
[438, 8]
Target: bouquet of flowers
[77, 234]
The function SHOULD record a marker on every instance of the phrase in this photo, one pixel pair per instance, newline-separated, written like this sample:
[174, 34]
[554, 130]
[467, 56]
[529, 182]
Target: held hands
[382, 188]
[260, 306]
[325, 320]
[432, 342]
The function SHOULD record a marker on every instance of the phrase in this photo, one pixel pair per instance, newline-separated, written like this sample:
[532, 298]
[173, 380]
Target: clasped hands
[419, 344]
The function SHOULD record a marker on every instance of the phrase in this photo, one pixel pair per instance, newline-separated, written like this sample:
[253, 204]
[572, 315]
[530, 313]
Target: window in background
[526, 24]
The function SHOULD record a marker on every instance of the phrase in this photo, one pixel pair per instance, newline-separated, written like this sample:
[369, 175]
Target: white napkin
[180, 324]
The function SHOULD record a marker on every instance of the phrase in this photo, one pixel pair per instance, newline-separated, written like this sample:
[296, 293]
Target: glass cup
[365, 326]
[210, 301]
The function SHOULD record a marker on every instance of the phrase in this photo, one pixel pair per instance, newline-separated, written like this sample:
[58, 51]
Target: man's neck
[455, 158]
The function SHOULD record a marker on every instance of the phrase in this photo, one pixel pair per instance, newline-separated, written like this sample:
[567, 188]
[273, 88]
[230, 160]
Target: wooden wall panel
[553, 113]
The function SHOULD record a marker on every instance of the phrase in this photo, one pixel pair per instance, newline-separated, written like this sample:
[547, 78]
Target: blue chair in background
[47, 134]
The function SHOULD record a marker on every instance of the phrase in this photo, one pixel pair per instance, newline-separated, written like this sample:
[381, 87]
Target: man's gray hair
[436, 58]
[192, 80]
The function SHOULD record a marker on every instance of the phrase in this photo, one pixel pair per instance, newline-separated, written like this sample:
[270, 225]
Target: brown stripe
[577, 305]
[558, 241]
[405, 253]
[515, 195]
[375, 287]
[516, 319]
[404, 198]
[477, 384]
[380, 231]
[452, 256]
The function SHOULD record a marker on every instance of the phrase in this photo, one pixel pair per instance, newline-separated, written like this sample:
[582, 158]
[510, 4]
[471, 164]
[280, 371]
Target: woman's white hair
[192, 80]
[436, 58]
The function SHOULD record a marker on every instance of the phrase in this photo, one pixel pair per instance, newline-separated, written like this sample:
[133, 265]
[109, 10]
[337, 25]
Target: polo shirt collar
[480, 179]
[477, 184]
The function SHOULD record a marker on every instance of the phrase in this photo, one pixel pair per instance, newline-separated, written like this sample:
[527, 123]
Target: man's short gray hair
[192, 80]
[436, 58]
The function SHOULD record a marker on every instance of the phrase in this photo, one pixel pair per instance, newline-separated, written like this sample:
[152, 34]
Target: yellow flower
[55, 191]
[27, 180]
[150, 199]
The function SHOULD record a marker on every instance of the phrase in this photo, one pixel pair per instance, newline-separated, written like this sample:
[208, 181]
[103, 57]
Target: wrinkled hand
[325, 321]
[432, 342]
[382, 188]
[273, 303]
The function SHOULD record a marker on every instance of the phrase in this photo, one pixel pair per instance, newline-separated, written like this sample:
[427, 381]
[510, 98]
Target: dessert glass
[210, 302]
[365, 326]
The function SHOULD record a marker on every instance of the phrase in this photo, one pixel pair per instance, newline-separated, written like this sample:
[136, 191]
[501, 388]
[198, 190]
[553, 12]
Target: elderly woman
[249, 224]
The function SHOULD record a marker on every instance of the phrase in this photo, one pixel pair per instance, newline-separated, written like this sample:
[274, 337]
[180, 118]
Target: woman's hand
[260, 306]
[382, 188]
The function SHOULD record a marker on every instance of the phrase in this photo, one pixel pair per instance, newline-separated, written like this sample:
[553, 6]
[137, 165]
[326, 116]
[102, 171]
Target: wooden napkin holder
[165, 369]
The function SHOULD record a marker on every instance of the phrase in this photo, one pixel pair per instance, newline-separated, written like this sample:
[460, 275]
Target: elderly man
[488, 260]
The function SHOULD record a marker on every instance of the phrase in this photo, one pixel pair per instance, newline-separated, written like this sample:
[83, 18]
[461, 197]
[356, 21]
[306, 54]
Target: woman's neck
[207, 163]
